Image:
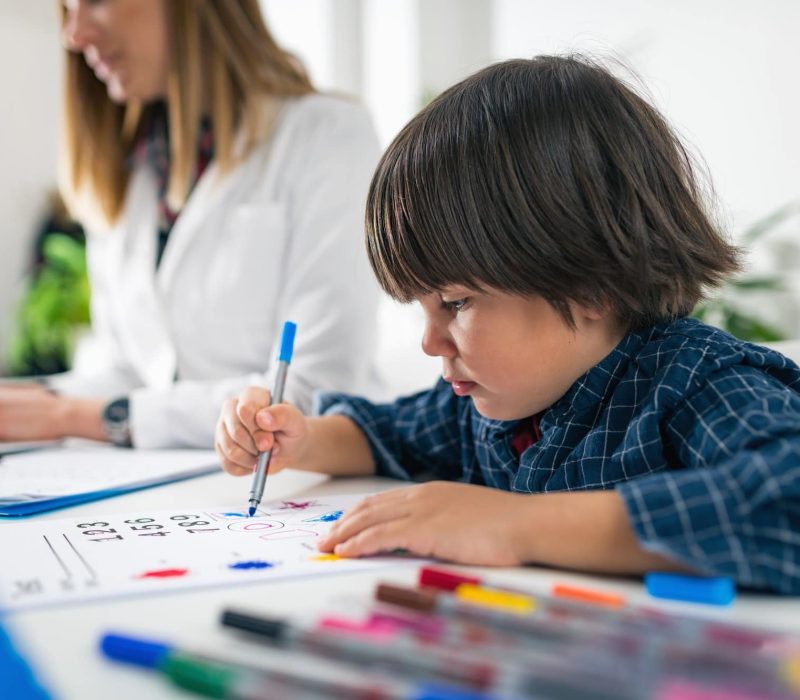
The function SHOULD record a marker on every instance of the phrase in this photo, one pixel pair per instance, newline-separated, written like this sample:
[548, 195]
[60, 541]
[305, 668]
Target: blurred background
[724, 72]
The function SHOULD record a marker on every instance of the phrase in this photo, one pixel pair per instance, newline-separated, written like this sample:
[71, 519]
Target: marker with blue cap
[217, 678]
[714, 590]
[284, 359]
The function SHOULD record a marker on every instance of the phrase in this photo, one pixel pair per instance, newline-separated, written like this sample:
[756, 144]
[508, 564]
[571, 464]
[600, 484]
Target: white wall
[30, 56]
[725, 74]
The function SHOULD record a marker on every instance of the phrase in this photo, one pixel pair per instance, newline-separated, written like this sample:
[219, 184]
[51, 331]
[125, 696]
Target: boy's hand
[457, 522]
[249, 425]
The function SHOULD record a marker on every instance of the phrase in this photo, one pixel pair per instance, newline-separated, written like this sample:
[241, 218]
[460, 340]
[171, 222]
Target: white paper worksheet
[76, 559]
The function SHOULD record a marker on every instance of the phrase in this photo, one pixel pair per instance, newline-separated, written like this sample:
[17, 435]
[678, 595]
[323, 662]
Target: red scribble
[164, 573]
[292, 505]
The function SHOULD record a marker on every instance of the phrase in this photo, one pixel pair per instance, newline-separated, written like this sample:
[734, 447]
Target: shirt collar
[595, 385]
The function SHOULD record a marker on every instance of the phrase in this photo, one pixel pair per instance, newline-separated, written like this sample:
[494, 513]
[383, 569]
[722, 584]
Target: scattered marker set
[66, 560]
[458, 638]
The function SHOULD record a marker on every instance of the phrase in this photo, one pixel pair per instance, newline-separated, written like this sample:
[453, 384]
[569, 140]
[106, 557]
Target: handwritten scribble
[164, 573]
[325, 517]
[296, 505]
[251, 565]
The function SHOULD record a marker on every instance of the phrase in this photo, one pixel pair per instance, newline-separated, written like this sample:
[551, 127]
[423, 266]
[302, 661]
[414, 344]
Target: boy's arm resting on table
[732, 511]
[411, 437]
[585, 530]
[484, 526]
[736, 510]
[337, 447]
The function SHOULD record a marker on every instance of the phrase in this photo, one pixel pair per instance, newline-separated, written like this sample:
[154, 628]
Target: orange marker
[587, 595]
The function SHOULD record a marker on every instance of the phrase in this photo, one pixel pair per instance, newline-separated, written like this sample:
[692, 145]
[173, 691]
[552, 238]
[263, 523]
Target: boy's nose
[436, 344]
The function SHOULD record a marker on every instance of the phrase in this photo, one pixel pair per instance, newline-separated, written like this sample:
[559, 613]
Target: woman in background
[222, 195]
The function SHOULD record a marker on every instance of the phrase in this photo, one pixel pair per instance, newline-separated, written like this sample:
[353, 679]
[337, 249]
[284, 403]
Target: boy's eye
[455, 304]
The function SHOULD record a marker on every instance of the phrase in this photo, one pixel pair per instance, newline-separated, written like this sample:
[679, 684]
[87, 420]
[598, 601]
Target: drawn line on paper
[163, 573]
[326, 517]
[91, 571]
[58, 558]
[255, 525]
[251, 565]
[293, 533]
[296, 505]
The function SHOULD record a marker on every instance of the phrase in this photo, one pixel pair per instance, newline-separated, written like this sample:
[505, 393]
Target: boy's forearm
[588, 530]
[338, 447]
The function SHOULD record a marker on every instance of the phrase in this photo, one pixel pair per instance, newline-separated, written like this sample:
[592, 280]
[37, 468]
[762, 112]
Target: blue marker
[284, 358]
[715, 590]
[219, 678]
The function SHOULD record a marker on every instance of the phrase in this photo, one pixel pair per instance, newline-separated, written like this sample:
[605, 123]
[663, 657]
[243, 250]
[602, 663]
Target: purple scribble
[296, 505]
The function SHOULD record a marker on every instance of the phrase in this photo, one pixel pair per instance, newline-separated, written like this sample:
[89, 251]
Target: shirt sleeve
[414, 437]
[734, 510]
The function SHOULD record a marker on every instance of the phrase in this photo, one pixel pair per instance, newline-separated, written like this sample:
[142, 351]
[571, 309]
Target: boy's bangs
[417, 225]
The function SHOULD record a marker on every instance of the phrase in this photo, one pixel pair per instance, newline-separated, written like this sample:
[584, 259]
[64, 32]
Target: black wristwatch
[116, 422]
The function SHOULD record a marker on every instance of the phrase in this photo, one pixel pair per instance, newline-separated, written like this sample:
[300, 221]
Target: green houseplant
[53, 311]
[731, 307]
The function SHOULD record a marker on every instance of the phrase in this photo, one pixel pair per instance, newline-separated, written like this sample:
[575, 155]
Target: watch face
[115, 421]
[116, 412]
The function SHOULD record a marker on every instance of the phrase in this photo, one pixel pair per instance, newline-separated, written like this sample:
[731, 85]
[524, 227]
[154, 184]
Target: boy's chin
[494, 410]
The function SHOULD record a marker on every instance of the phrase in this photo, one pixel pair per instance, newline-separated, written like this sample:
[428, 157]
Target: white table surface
[61, 643]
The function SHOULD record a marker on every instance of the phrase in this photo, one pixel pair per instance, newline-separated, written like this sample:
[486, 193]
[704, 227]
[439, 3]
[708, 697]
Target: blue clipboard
[21, 509]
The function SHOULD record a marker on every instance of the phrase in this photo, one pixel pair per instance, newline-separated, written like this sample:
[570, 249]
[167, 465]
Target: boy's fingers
[369, 513]
[383, 537]
[250, 401]
[281, 416]
[234, 458]
[238, 433]
[263, 440]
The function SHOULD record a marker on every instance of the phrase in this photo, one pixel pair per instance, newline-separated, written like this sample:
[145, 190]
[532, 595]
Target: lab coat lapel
[141, 313]
[211, 193]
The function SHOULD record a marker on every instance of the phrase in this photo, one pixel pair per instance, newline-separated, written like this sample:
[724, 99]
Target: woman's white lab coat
[279, 238]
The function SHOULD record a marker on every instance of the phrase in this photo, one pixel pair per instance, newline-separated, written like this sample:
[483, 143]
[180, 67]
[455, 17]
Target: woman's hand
[32, 412]
[457, 522]
[248, 425]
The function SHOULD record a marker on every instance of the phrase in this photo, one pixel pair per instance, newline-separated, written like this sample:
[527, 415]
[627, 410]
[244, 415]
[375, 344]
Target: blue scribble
[326, 518]
[248, 565]
[235, 515]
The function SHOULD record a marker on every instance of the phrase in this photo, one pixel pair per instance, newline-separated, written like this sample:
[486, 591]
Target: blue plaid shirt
[697, 431]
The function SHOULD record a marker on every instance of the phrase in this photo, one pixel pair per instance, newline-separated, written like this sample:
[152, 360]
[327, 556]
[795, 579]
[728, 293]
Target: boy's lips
[461, 387]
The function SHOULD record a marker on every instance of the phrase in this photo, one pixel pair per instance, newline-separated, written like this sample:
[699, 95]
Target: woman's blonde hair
[222, 56]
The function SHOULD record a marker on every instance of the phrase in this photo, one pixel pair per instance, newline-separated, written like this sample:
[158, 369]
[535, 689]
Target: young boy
[550, 225]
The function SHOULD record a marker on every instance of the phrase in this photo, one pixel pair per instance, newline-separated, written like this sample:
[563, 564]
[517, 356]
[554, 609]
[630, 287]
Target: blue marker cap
[435, 691]
[715, 590]
[287, 341]
[139, 652]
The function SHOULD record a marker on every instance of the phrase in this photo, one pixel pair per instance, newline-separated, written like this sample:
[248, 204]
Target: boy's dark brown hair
[545, 177]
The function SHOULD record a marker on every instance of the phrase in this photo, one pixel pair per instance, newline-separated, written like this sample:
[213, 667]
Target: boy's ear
[590, 313]
[593, 313]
